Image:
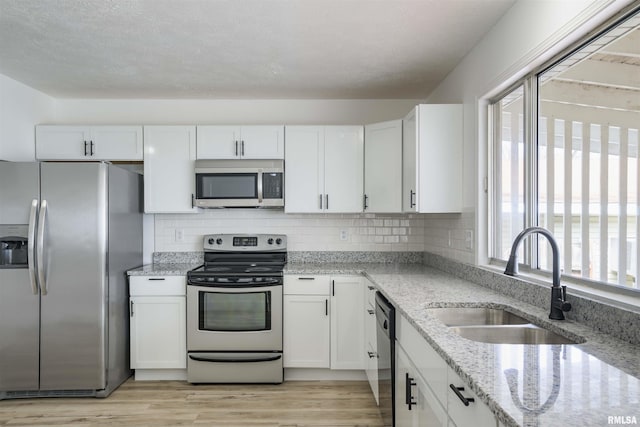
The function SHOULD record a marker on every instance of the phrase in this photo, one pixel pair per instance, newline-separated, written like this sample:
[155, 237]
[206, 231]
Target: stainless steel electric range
[234, 310]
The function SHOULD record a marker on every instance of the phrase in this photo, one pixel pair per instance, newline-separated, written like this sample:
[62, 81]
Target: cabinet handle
[85, 148]
[366, 205]
[91, 148]
[321, 202]
[326, 307]
[371, 354]
[131, 308]
[193, 201]
[236, 148]
[155, 278]
[412, 203]
[326, 201]
[457, 390]
[408, 397]
[242, 148]
[371, 288]
[306, 278]
[333, 288]
[371, 312]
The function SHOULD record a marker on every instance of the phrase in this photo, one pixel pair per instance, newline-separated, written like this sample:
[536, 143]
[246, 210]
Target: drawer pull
[156, 278]
[371, 354]
[306, 278]
[371, 312]
[371, 288]
[408, 396]
[457, 390]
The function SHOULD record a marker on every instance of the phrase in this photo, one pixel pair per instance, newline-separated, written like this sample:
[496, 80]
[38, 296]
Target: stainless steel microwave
[239, 183]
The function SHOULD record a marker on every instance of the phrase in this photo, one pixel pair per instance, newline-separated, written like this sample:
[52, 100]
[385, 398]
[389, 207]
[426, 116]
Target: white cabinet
[240, 142]
[306, 330]
[324, 169]
[423, 382]
[55, 142]
[432, 159]
[370, 338]
[347, 323]
[158, 322]
[383, 167]
[169, 168]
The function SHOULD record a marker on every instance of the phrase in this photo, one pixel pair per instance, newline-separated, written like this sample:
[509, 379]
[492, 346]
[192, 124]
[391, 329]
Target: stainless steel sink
[471, 316]
[524, 334]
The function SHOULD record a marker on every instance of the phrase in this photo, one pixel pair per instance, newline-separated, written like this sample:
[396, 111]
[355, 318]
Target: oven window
[247, 311]
[227, 185]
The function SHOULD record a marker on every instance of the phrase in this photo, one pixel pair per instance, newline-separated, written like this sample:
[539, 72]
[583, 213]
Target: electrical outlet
[344, 235]
[179, 237]
[468, 239]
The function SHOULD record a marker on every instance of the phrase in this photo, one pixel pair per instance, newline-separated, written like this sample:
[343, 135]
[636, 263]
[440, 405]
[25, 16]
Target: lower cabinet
[424, 387]
[157, 310]
[370, 338]
[323, 323]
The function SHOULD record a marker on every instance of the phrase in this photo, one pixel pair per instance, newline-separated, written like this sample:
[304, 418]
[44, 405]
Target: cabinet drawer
[428, 362]
[157, 285]
[371, 293]
[307, 285]
[476, 414]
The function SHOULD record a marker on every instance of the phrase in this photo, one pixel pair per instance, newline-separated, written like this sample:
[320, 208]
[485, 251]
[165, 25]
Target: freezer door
[73, 279]
[18, 187]
[19, 331]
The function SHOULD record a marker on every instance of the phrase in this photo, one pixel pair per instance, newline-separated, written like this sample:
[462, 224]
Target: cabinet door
[62, 142]
[306, 331]
[347, 323]
[304, 164]
[409, 163]
[370, 337]
[158, 332]
[404, 417]
[440, 158]
[262, 142]
[383, 167]
[116, 142]
[169, 168]
[218, 142]
[344, 168]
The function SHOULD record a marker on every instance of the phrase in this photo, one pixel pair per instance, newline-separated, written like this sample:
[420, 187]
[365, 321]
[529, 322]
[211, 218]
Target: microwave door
[227, 189]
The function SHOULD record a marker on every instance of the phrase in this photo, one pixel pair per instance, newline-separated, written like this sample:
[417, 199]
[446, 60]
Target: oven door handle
[231, 286]
[235, 360]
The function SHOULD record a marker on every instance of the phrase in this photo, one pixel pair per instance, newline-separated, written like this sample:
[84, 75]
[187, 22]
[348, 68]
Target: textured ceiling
[359, 49]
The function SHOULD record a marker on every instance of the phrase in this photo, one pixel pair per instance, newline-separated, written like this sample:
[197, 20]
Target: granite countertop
[570, 385]
[524, 385]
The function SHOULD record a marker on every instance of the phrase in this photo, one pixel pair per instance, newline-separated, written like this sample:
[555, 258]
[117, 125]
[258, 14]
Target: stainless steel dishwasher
[386, 337]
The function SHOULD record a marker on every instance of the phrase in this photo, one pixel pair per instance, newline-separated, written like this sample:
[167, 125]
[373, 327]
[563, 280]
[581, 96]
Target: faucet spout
[558, 293]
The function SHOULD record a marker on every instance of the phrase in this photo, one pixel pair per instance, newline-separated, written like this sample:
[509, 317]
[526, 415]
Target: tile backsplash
[305, 232]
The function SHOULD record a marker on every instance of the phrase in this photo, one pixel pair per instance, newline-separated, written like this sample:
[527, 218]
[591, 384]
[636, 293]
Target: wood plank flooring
[176, 403]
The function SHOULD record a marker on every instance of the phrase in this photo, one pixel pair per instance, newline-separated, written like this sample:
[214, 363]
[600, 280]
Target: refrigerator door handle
[31, 254]
[40, 247]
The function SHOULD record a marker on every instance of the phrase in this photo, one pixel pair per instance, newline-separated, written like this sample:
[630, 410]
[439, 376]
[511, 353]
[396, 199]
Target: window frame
[529, 81]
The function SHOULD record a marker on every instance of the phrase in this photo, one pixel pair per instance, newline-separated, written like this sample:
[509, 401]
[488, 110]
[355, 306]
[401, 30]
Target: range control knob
[278, 241]
[270, 241]
[219, 241]
[211, 241]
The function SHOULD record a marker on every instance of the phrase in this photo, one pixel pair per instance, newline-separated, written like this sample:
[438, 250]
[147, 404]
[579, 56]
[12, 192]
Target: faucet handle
[564, 305]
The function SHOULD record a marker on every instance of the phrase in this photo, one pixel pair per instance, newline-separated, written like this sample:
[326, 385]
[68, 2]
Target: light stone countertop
[578, 385]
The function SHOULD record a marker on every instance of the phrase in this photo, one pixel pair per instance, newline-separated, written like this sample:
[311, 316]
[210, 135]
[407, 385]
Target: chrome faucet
[559, 302]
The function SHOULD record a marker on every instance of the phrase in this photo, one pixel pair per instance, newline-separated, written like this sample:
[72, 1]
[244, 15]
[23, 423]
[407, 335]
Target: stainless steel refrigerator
[68, 234]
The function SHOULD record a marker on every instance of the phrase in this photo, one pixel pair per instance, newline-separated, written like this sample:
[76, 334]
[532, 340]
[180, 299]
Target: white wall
[21, 108]
[283, 111]
[529, 34]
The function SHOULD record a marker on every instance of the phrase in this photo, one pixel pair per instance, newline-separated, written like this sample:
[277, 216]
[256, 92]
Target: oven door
[245, 317]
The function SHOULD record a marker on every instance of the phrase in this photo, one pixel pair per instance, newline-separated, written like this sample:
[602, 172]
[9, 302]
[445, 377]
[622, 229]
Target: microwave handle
[260, 187]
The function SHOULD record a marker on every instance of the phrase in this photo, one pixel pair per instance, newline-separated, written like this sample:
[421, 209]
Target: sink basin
[524, 334]
[471, 316]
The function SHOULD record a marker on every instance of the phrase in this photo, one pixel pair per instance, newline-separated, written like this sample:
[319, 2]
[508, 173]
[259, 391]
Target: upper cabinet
[240, 142]
[169, 168]
[88, 142]
[383, 167]
[432, 159]
[324, 169]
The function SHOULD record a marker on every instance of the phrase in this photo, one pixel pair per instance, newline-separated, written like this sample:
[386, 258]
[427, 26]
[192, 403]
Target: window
[577, 173]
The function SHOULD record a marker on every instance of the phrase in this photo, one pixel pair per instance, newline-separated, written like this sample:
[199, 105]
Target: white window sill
[616, 296]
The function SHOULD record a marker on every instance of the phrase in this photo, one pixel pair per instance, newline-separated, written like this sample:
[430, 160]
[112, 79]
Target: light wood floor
[169, 403]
